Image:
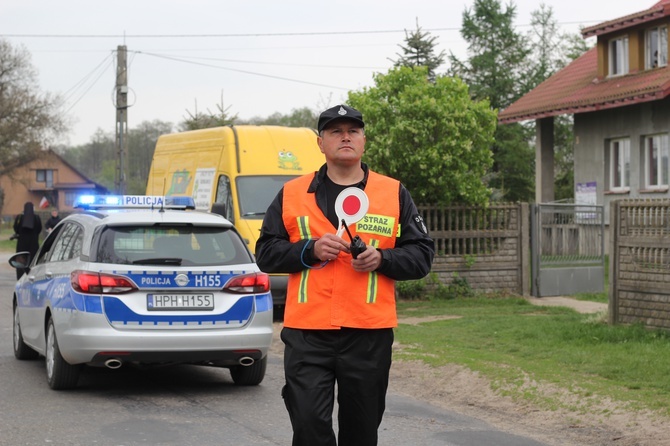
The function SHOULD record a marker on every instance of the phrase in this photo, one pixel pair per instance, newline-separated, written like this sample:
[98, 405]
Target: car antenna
[163, 201]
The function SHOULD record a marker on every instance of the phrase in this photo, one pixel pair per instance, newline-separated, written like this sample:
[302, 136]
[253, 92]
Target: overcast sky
[263, 56]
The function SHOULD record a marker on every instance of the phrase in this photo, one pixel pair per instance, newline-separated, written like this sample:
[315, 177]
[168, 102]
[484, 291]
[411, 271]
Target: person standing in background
[52, 221]
[28, 227]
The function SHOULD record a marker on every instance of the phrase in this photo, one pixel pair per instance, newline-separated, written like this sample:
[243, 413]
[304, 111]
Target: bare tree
[29, 118]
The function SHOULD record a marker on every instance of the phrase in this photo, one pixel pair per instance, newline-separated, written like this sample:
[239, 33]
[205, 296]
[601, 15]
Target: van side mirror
[219, 208]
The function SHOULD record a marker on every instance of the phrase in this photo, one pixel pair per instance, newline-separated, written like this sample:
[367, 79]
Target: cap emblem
[341, 111]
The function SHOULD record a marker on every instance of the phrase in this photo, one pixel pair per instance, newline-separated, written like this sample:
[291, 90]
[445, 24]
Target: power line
[287, 34]
[95, 81]
[241, 71]
[214, 59]
[83, 80]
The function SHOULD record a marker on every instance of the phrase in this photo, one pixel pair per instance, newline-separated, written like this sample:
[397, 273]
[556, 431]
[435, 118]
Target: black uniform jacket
[411, 258]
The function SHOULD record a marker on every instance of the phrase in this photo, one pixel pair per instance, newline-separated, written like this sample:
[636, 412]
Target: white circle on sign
[351, 205]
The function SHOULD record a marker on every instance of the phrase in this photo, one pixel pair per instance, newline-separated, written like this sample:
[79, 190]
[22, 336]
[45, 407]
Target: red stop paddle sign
[350, 205]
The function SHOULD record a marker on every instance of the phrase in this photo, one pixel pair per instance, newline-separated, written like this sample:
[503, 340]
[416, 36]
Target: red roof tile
[577, 89]
[659, 10]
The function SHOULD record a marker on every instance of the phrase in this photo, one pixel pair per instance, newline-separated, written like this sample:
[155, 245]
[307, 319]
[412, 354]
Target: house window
[656, 161]
[620, 164]
[45, 176]
[656, 50]
[618, 56]
[70, 197]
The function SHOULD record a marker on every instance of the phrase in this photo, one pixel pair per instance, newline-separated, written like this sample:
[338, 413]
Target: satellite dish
[350, 205]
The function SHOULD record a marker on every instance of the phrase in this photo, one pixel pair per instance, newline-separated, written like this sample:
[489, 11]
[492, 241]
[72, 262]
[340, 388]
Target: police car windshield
[171, 245]
[257, 192]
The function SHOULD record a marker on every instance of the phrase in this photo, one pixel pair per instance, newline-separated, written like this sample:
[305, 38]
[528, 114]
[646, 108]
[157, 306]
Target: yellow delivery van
[237, 169]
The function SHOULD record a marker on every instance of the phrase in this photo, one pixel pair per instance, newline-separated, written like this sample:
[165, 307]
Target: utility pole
[121, 119]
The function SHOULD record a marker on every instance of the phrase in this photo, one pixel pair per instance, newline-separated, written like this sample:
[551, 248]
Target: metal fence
[567, 249]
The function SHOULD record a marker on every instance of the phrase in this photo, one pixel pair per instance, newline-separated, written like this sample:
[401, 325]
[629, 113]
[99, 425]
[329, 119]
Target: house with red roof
[618, 93]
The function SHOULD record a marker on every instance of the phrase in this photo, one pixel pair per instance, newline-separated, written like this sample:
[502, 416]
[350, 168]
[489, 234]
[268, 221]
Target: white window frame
[619, 164]
[618, 56]
[656, 161]
[656, 41]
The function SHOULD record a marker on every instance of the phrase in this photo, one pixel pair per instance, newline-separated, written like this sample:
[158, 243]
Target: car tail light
[99, 283]
[249, 283]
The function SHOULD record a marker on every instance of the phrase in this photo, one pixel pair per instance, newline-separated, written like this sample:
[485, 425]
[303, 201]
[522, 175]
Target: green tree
[419, 51]
[498, 62]
[141, 145]
[29, 118]
[298, 117]
[97, 158]
[545, 45]
[92, 158]
[552, 50]
[498, 69]
[199, 120]
[431, 136]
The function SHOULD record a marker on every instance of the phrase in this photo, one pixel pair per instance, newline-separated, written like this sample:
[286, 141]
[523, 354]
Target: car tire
[250, 375]
[21, 349]
[60, 374]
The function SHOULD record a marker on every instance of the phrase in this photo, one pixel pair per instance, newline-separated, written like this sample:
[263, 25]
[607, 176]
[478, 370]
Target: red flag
[44, 203]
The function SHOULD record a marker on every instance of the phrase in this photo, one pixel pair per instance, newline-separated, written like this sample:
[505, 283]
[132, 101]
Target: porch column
[544, 160]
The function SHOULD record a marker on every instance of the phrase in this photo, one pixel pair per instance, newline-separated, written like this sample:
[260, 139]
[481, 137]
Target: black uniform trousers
[358, 360]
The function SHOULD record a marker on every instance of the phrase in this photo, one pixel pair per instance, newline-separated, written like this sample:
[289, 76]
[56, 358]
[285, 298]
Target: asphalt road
[186, 405]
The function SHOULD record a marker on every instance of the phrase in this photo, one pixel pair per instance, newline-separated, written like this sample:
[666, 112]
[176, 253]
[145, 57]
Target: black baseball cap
[339, 112]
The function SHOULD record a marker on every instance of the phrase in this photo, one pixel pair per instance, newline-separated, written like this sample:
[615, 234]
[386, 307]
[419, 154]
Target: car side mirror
[20, 260]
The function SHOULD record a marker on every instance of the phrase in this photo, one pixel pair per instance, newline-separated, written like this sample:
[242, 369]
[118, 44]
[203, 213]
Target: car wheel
[21, 349]
[60, 374]
[250, 375]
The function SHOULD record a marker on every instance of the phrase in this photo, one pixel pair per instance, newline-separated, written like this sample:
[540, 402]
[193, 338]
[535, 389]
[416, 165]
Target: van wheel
[60, 374]
[21, 349]
[250, 375]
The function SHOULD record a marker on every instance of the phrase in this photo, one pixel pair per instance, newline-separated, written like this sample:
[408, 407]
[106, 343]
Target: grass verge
[519, 347]
[7, 245]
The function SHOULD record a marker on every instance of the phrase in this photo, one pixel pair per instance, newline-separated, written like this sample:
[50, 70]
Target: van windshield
[255, 193]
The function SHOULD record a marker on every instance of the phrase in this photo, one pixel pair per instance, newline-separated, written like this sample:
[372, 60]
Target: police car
[142, 280]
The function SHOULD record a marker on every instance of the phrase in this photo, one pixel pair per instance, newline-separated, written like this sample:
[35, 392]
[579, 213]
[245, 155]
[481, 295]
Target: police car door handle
[48, 274]
[31, 278]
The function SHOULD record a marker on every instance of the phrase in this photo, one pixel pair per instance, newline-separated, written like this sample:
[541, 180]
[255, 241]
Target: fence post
[524, 235]
[534, 249]
[613, 299]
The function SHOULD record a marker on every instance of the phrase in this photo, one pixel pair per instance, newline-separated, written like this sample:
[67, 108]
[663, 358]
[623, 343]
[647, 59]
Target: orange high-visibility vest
[336, 296]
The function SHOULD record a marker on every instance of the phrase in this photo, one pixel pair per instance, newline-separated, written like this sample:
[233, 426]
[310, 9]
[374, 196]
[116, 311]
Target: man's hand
[368, 260]
[329, 246]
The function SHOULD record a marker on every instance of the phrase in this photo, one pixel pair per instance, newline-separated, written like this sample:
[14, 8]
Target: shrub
[411, 289]
[458, 287]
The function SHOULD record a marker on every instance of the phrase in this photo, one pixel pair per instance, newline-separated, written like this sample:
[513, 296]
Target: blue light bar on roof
[133, 202]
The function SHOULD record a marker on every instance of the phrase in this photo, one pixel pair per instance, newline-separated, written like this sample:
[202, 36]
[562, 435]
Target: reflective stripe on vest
[305, 234]
[372, 280]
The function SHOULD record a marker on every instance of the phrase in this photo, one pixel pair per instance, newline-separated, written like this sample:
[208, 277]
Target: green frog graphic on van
[287, 160]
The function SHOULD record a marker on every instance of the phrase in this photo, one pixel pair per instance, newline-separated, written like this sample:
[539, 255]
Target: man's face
[54, 213]
[342, 142]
